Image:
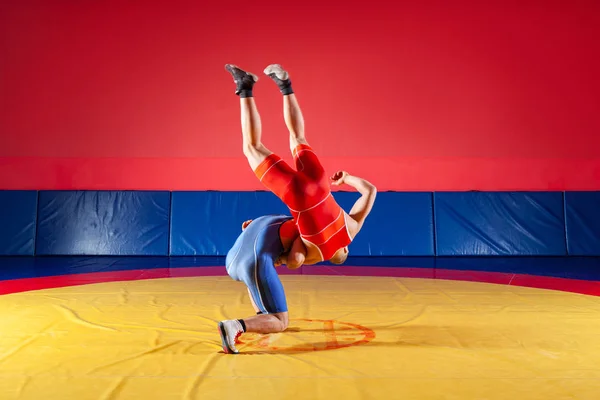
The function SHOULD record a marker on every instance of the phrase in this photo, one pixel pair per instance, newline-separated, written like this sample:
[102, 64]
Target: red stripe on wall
[387, 173]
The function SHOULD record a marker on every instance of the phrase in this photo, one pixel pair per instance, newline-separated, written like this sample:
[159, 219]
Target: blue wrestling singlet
[251, 260]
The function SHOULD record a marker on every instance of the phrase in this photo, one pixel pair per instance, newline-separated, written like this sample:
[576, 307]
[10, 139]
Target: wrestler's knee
[283, 321]
[249, 149]
[254, 149]
[255, 154]
[297, 139]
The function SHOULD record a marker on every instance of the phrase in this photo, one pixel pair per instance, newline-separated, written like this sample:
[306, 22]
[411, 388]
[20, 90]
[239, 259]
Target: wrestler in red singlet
[306, 192]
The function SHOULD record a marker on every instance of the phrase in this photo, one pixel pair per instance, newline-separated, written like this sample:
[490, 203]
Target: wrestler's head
[340, 256]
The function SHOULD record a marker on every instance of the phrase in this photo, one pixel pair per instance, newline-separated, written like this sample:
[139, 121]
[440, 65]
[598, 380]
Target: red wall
[416, 96]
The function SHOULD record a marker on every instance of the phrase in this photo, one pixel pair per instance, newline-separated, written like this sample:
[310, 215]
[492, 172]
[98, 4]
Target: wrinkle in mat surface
[349, 337]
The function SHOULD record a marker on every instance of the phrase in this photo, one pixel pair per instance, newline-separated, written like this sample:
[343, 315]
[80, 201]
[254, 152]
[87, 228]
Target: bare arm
[363, 206]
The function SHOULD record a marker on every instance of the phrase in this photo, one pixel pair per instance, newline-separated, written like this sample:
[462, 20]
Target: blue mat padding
[18, 210]
[103, 223]
[207, 223]
[400, 224]
[499, 224]
[582, 213]
[584, 268]
[154, 223]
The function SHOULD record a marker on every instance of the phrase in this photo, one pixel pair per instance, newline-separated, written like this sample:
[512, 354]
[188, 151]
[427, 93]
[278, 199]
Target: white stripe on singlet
[335, 233]
[298, 152]
[333, 222]
[310, 208]
[268, 169]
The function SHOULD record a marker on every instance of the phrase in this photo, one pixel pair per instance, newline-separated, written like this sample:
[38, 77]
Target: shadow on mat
[458, 337]
[318, 346]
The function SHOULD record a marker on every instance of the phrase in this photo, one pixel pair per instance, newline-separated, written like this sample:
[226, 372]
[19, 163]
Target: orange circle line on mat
[364, 335]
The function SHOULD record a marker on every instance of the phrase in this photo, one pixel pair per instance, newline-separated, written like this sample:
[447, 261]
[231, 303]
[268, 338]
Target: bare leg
[267, 323]
[262, 323]
[294, 120]
[253, 148]
[291, 110]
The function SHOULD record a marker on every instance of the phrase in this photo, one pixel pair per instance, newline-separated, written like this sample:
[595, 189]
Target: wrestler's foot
[244, 81]
[230, 330]
[280, 77]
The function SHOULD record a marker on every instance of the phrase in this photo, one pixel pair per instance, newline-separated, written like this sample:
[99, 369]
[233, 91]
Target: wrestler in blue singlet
[251, 260]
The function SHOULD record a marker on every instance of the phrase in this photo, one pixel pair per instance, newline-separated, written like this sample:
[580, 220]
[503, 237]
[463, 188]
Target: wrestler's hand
[245, 224]
[339, 178]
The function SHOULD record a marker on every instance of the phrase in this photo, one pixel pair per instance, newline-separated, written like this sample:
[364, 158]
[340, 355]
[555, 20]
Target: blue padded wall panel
[18, 210]
[207, 223]
[120, 223]
[400, 224]
[582, 214]
[499, 223]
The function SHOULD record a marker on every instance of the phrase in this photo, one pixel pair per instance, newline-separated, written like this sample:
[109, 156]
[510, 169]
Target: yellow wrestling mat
[349, 338]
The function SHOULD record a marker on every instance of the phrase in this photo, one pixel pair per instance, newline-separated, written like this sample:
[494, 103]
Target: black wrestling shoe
[280, 77]
[244, 81]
